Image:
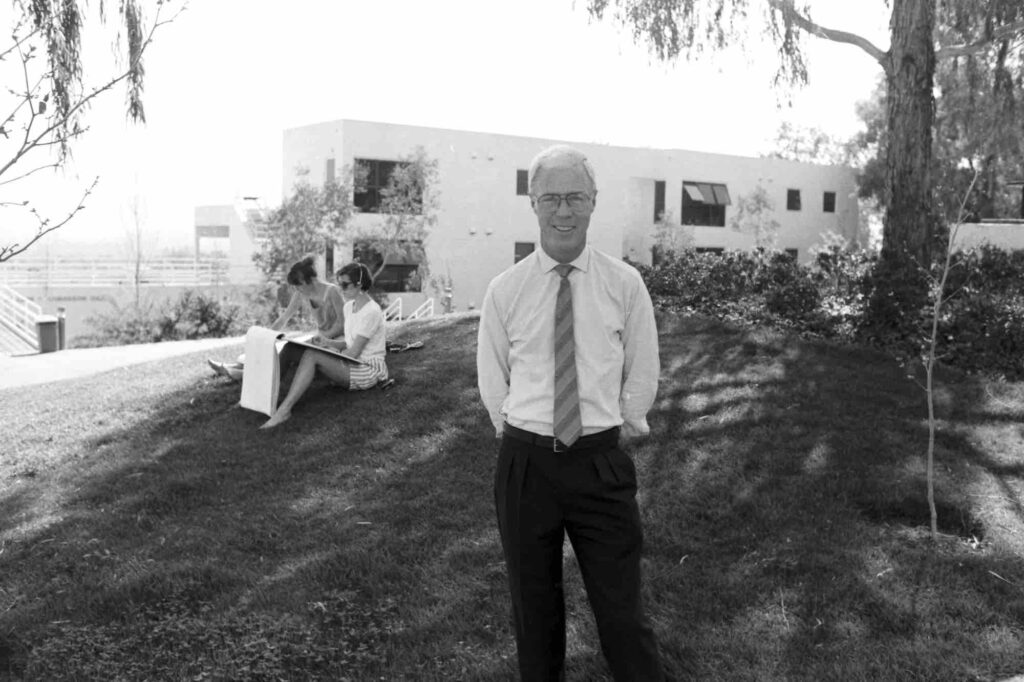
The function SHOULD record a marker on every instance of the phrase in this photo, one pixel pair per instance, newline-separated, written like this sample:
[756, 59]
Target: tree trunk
[910, 212]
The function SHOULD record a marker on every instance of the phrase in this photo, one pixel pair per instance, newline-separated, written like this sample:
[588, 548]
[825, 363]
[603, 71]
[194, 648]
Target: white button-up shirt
[616, 344]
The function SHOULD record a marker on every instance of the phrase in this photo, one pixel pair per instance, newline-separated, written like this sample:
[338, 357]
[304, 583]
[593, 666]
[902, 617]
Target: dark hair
[302, 272]
[357, 273]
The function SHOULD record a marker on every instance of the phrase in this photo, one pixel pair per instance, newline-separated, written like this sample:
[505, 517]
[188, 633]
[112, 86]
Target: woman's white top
[368, 322]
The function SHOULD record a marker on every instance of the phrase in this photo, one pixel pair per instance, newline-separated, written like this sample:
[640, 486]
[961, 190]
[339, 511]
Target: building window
[522, 183]
[329, 172]
[398, 271]
[524, 249]
[792, 253]
[704, 204]
[371, 176]
[828, 202]
[659, 200]
[793, 199]
[717, 250]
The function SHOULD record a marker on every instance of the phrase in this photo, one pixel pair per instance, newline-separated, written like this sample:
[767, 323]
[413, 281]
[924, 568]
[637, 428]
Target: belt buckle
[558, 446]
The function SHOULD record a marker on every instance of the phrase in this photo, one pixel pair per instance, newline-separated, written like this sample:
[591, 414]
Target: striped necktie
[567, 423]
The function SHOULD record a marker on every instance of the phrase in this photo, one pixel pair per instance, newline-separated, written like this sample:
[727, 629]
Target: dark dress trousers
[589, 493]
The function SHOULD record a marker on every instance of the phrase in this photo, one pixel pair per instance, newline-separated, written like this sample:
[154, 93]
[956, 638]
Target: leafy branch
[49, 118]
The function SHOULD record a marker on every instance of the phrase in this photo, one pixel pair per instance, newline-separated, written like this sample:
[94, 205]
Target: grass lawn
[149, 531]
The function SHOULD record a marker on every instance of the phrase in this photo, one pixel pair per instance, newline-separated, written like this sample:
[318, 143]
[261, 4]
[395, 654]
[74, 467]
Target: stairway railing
[426, 309]
[19, 314]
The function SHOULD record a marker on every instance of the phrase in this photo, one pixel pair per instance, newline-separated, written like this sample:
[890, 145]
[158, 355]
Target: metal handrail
[394, 310]
[426, 309]
[71, 272]
[19, 314]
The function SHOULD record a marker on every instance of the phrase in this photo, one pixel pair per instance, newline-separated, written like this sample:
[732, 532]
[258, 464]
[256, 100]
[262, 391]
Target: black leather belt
[604, 438]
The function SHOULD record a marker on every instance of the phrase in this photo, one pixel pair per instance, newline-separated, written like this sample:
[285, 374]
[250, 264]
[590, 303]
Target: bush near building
[981, 330]
[193, 315]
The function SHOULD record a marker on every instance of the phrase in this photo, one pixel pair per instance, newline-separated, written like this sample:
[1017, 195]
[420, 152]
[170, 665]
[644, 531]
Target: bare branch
[18, 41]
[23, 99]
[53, 165]
[12, 250]
[790, 12]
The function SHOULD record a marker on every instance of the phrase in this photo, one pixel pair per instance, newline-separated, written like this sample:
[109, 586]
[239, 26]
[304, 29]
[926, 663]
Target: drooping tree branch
[51, 120]
[58, 121]
[790, 12]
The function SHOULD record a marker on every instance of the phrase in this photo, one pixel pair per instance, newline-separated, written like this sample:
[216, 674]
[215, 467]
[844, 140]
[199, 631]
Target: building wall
[241, 269]
[481, 217]
[1006, 234]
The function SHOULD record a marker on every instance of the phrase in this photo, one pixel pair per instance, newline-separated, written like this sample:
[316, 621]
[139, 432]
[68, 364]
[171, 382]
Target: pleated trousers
[590, 495]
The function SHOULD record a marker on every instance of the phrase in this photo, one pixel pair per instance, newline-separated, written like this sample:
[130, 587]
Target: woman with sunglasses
[364, 340]
[324, 300]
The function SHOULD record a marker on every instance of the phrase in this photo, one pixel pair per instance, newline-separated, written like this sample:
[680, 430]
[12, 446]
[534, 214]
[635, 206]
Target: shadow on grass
[381, 497]
[787, 515]
[161, 533]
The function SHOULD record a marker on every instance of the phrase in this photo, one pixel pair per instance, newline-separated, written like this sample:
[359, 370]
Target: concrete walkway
[41, 368]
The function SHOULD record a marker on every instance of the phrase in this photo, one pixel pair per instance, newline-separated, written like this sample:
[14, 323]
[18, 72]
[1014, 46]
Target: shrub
[193, 315]
[794, 299]
[984, 331]
[853, 296]
[196, 316]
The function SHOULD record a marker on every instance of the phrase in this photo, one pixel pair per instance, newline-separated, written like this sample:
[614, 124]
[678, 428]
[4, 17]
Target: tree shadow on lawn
[786, 520]
[363, 530]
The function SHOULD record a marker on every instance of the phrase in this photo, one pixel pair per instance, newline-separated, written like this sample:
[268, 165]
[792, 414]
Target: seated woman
[323, 298]
[364, 340]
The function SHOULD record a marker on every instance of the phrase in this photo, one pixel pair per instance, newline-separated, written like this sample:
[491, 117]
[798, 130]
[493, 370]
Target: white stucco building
[485, 222]
[230, 223]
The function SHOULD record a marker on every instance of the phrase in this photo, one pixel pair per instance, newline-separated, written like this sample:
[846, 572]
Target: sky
[227, 77]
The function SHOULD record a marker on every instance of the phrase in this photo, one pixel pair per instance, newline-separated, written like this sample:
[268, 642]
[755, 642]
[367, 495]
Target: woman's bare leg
[311, 362]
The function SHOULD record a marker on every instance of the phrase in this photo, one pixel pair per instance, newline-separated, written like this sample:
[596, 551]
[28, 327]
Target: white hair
[561, 155]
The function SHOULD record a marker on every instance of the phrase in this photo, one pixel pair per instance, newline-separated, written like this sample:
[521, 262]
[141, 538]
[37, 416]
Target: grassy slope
[148, 530]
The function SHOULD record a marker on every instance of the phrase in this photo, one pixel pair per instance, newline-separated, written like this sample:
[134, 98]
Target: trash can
[46, 333]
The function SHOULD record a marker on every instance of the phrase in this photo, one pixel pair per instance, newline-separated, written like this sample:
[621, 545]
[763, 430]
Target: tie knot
[563, 270]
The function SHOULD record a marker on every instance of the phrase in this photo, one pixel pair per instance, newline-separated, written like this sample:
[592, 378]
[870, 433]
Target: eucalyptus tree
[922, 33]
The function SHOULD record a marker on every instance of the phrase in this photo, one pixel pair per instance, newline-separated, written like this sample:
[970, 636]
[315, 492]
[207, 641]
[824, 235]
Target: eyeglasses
[578, 202]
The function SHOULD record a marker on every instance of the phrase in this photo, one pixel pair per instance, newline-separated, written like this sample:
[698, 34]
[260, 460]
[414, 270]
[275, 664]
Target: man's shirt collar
[581, 262]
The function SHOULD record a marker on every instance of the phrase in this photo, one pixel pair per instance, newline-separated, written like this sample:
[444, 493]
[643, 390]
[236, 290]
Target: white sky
[228, 76]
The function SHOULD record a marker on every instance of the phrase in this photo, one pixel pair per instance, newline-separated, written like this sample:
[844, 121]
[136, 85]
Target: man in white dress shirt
[559, 408]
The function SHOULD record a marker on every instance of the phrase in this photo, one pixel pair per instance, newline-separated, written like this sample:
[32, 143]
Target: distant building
[1005, 232]
[485, 222]
[227, 228]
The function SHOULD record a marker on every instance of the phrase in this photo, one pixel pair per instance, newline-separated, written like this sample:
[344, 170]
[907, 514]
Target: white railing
[394, 310]
[19, 314]
[426, 309]
[71, 272]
